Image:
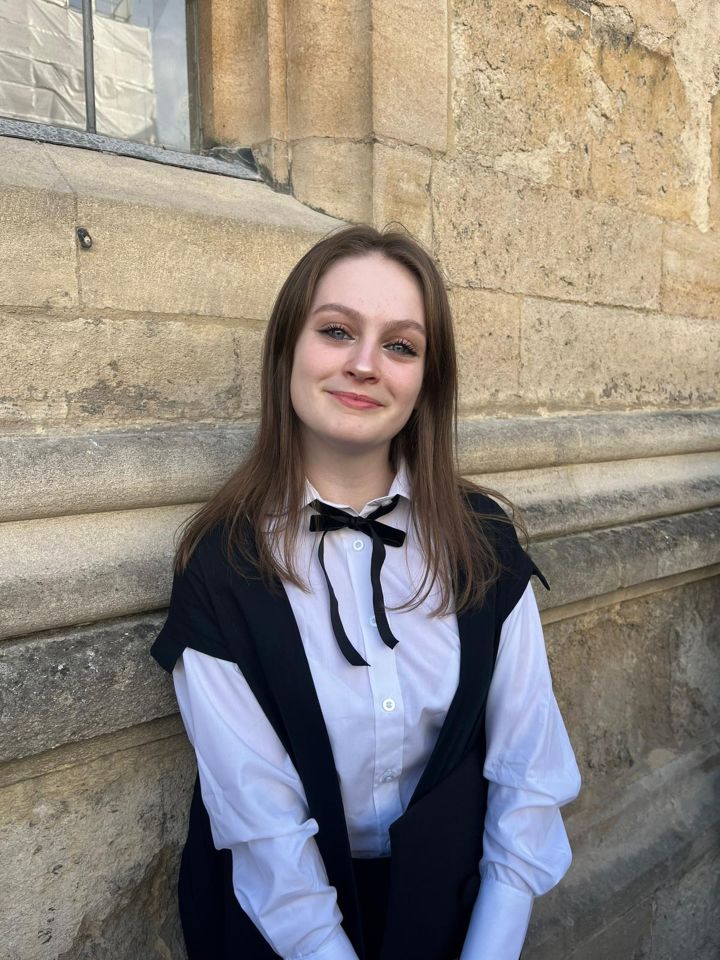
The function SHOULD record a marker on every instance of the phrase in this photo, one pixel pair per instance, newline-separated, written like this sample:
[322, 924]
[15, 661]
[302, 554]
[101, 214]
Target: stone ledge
[557, 501]
[598, 562]
[165, 240]
[628, 841]
[44, 475]
[98, 566]
[72, 570]
[80, 684]
[89, 681]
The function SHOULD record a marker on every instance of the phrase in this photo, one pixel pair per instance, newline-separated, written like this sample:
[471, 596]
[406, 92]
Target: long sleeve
[532, 772]
[258, 810]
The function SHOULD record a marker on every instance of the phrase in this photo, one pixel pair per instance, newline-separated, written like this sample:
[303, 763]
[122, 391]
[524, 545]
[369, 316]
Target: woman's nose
[363, 360]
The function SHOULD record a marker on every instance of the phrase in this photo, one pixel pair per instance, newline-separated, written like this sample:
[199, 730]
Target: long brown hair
[270, 481]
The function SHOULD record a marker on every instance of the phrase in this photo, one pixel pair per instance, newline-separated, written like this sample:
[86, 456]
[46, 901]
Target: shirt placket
[388, 708]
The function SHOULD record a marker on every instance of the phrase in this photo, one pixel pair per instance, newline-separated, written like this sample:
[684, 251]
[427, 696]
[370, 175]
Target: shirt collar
[400, 485]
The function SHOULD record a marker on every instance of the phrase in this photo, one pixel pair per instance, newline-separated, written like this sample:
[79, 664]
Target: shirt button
[387, 777]
[358, 545]
[372, 621]
[388, 705]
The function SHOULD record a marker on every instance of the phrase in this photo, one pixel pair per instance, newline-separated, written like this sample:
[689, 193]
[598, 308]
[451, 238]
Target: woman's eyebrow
[356, 315]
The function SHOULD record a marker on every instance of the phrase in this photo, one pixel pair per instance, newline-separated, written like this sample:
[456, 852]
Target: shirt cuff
[337, 947]
[498, 923]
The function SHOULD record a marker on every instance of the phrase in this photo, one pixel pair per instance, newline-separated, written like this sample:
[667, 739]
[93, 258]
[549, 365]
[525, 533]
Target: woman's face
[359, 360]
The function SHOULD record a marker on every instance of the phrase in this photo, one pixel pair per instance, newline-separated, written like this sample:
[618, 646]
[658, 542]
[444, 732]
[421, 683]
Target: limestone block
[50, 475]
[38, 221]
[125, 370]
[519, 94]
[691, 271]
[714, 192]
[487, 327]
[328, 69]
[273, 157]
[589, 564]
[599, 357]
[633, 835]
[503, 233]
[572, 95]
[85, 568]
[401, 189]
[90, 857]
[660, 18]
[560, 500]
[277, 68]
[234, 54]
[630, 935]
[335, 177]
[642, 157]
[168, 240]
[489, 444]
[620, 665]
[410, 71]
[79, 684]
[687, 913]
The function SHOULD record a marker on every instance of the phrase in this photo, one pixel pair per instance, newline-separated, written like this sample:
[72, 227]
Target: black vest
[436, 844]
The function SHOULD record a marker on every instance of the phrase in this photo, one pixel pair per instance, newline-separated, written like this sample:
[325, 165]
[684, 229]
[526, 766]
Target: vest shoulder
[216, 561]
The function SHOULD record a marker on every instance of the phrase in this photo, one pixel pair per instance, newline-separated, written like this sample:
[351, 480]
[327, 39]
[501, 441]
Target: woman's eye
[402, 346]
[335, 333]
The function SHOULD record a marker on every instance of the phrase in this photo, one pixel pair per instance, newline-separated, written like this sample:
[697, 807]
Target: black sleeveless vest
[436, 844]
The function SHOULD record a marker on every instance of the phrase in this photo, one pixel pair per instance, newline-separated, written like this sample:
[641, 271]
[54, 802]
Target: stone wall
[561, 160]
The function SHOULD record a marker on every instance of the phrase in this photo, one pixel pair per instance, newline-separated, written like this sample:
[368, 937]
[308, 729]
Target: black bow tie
[332, 518]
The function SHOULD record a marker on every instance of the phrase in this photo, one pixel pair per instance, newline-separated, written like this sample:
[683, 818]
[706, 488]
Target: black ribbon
[332, 518]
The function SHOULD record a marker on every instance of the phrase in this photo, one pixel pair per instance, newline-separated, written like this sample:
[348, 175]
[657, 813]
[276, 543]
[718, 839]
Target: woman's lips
[355, 400]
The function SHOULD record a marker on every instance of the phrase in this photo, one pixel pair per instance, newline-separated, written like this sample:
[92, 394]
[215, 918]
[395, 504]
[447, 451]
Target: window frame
[227, 161]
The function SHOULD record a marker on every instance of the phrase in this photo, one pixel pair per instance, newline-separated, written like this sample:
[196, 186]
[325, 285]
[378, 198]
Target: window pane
[41, 62]
[141, 72]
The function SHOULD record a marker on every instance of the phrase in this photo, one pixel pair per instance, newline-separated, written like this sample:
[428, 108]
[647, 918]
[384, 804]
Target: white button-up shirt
[383, 721]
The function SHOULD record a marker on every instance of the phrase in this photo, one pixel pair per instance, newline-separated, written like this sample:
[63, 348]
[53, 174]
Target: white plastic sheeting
[41, 70]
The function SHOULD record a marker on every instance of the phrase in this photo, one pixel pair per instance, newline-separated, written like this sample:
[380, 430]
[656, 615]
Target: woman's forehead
[371, 284]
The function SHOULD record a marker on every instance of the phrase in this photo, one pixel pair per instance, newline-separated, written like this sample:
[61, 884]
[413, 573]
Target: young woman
[357, 651]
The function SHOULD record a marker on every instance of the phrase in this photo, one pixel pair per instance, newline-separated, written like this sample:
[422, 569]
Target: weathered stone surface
[410, 71]
[487, 334]
[50, 475]
[503, 233]
[85, 568]
[401, 189]
[90, 858]
[556, 501]
[495, 444]
[80, 684]
[108, 371]
[168, 240]
[668, 639]
[234, 71]
[328, 69]
[687, 913]
[590, 564]
[334, 176]
[630, 936]
[597, 357]
[691, 272]
[714, 192]
[577, 96]
[633, 833]
[639, 154]
[652, 18]
[103, 470]
[38, 221]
